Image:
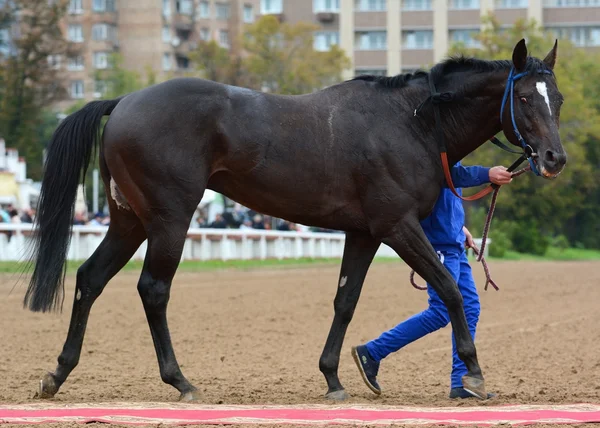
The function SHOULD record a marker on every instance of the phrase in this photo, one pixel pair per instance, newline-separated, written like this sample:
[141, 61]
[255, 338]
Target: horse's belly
[293, 198]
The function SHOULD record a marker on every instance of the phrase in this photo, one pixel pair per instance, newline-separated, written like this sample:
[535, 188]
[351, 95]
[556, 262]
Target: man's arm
[472, 176]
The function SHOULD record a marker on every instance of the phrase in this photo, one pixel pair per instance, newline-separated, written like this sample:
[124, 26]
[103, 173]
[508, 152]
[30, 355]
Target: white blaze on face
[543, 91]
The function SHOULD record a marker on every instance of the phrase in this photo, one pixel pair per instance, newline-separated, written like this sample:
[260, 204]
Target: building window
[222, 11]
[54, 61]
[5, 48]
[579, 36]
[77, 89]
[326, 6]
[75, 63]
[183, 62]
[511, 4]
[417, 39]
[4, 36]
[103, 32]
[416, 5]
[184, 7]
[248, 14]
[103, 6]
[325, 39]
[369, 5]
[371, 40]
[205, 34]
[372, 72]
[465, 37]
[166, 34]
[167, 7]
[271, 7]
[100, 60]
[464, 4]
[100, 88]
[571, 3]
[224, 38]
[204, 10]
[75, 33]
[76, 7]
[166, 62]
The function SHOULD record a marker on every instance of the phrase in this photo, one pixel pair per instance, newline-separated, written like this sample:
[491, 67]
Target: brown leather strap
[474, 197]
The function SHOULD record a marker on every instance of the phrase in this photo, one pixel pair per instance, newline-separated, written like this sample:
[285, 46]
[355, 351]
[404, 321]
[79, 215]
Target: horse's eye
[523, 99]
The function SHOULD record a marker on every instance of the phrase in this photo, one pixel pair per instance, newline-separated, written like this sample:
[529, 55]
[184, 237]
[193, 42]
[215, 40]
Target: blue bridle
[510, 85]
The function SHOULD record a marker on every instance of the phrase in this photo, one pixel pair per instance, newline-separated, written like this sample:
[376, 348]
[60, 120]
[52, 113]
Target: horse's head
[531, 110]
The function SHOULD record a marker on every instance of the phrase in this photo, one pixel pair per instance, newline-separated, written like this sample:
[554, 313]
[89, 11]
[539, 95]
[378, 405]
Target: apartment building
[379, 36]
[393, 36]
[155, 34]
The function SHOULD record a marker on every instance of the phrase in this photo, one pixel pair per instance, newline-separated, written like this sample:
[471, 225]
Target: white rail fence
[201, 244]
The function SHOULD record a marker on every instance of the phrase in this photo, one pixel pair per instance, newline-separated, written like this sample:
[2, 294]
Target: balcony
[325, 16]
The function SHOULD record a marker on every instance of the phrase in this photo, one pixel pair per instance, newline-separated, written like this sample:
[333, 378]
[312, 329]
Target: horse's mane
[451, 65]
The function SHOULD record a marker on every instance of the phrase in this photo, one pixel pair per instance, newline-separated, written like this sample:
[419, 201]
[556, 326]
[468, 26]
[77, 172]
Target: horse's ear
[520, 56]
[550, 59]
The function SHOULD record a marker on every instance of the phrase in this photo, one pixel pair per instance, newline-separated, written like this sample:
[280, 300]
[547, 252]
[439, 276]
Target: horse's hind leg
[359, 250]
[123, 238]
[411, 244]
[168, 228]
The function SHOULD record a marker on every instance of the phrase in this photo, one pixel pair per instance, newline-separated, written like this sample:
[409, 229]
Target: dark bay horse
[350, 157]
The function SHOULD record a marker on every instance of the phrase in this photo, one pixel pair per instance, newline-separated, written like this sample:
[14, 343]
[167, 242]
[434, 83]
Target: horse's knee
[344, 305]
[154, 293]
[344, 312]
[455, 300]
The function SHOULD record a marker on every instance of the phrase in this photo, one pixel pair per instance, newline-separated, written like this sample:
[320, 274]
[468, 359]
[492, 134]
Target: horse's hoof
[189, 396]
[48, 386]
[340, 395]
[475, 386]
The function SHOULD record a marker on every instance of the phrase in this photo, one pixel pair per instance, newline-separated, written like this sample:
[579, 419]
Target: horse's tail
[67, 159]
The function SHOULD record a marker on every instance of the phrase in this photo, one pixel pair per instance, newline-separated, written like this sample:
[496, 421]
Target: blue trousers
[435, 316]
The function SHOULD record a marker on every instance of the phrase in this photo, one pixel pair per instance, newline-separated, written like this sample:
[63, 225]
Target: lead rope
[480, 253]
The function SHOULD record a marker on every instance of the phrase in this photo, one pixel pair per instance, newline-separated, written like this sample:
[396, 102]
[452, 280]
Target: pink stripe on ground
[145, 413]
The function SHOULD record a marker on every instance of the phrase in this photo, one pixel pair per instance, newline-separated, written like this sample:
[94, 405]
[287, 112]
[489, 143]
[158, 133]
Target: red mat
[183, 414]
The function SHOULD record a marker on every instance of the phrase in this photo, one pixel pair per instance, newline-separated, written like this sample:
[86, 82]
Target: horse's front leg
[359, 250]
[409, 241]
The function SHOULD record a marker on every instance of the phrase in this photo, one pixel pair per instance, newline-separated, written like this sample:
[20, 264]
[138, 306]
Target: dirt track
[255, 338]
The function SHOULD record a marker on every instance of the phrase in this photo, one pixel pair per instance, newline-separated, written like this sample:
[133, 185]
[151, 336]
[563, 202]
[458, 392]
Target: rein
[437, 98]
[480, 252]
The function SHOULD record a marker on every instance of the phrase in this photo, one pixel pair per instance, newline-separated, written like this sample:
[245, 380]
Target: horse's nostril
[550, 157]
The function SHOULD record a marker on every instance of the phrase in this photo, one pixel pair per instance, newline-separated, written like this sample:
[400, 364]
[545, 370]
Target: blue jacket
[443, 227]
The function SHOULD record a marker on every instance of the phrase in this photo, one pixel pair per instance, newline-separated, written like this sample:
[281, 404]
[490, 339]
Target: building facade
[394, 36]
[148, 34]
[379, 36]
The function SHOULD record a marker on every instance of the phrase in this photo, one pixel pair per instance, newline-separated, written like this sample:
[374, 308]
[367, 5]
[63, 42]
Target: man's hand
[500, 175]
[469, 238]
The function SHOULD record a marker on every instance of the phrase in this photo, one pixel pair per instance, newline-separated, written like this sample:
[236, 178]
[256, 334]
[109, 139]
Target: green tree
[29, 75]
[119, 81]
[548, 207]
[277, 57]
[215, 63]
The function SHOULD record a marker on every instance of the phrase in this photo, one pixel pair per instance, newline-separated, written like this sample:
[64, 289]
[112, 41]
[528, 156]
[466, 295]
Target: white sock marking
[543, 90]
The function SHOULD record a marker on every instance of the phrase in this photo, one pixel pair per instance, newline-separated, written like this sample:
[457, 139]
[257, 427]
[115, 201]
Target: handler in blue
[444, 228]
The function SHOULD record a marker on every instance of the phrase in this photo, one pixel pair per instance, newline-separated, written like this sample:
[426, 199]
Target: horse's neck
[476, 119]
